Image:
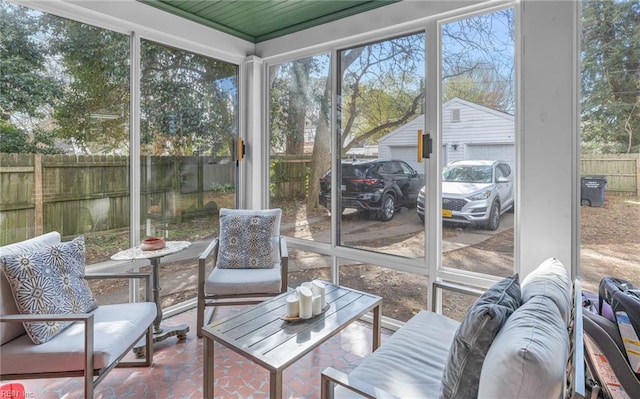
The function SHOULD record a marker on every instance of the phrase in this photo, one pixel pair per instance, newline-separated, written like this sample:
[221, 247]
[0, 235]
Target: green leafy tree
[379, 89]
[14, 140]
[93, 112]
[611, 76]
[296, 89]
[26, 90]
[188, 101]
[482, 87]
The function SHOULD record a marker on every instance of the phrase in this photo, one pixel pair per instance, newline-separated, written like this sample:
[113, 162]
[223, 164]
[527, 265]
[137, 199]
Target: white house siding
[402, 143]
[467, 138]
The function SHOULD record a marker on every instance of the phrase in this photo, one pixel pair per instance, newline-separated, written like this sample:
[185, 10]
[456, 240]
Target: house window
[455, 115]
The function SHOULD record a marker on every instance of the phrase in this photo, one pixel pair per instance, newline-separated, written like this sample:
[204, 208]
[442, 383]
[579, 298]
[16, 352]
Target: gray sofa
[536, 352]
[93, 345]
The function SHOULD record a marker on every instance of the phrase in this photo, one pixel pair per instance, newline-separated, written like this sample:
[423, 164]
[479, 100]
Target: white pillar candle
[317, 287]
[292, 306]
[305, 298]
[317, 305]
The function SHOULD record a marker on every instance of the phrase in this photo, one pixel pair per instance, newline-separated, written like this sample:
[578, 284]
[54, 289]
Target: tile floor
[177, 369]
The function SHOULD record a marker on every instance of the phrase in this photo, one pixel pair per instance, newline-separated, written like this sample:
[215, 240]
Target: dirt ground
[610, 247]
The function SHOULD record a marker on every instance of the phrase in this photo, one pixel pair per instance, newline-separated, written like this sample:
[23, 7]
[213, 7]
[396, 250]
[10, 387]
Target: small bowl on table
[152, 244]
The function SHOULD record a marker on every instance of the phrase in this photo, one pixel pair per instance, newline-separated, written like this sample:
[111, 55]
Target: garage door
[502, 152]
[407, 154]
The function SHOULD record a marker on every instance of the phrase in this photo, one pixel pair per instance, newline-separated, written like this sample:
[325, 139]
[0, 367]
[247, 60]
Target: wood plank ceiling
[260, 20]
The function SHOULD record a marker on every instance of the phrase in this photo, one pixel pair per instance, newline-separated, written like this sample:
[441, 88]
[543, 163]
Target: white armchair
[93, 344]
[249, 260]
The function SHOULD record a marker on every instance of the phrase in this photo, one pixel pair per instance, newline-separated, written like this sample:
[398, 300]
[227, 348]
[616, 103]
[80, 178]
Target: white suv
[474, 192]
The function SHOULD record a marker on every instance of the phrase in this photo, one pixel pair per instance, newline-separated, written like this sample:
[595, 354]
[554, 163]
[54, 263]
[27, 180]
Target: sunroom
[132, 119]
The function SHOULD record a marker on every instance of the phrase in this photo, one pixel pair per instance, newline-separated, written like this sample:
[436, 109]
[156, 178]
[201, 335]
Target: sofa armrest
[331, 377]
[129, 275]
[86, 318]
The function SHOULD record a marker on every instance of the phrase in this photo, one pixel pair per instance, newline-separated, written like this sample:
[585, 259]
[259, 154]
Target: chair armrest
[11, 318]
[128, 275]
[284, 264]
[576, 363]
[210, 251]
[331, 376]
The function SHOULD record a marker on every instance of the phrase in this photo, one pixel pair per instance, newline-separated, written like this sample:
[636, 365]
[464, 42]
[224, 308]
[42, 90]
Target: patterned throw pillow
[50, 281]
[246, 240]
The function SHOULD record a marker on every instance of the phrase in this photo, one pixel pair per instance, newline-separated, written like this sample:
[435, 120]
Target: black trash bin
[592, 190]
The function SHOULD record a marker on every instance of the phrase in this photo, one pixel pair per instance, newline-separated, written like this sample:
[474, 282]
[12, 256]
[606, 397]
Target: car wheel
[421, 218]
[494, 217]
[388, 208]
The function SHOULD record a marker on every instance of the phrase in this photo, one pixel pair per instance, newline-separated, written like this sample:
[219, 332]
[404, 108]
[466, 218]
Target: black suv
[379, 186]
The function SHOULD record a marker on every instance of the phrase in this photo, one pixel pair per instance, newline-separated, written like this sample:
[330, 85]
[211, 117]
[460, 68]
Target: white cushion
[550, 279]
[410, 363]
[115, 327]
[244, 281]
[9, 331]
[529, 355]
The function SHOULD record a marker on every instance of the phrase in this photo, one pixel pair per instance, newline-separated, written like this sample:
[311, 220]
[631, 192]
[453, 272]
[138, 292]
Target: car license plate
[446, 213]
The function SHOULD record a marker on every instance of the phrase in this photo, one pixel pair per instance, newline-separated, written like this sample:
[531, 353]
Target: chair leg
[88, 385]
[149, 346]
[207, 315]
[200, 317]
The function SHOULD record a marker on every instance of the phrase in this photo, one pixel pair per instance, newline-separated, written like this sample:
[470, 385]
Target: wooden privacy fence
[91, 193]
[288, 177]
[79, 194]
[622, 171]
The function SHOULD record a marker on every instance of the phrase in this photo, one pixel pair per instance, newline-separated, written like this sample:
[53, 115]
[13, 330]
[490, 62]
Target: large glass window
[478, 143]
[64, 127]
[610, 142]
[381, 91]
[300, 142]
[65, 141]
[189, 122]
[381, 109]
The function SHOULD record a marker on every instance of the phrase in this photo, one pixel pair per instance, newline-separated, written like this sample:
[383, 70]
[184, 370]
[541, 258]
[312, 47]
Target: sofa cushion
[50, 280]
[474, 336]
[115, 327]
[248, 239]
[550, 279]
[528, 356]
[9, 331]
[410, 363]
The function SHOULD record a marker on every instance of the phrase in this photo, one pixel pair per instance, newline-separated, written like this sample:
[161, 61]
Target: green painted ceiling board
[259, 20]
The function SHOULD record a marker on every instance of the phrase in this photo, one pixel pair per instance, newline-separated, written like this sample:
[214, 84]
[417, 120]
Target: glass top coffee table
[260, 333]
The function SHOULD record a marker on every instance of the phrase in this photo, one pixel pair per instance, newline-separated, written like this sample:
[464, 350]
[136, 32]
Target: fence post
[37, 195]
[638, 175]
